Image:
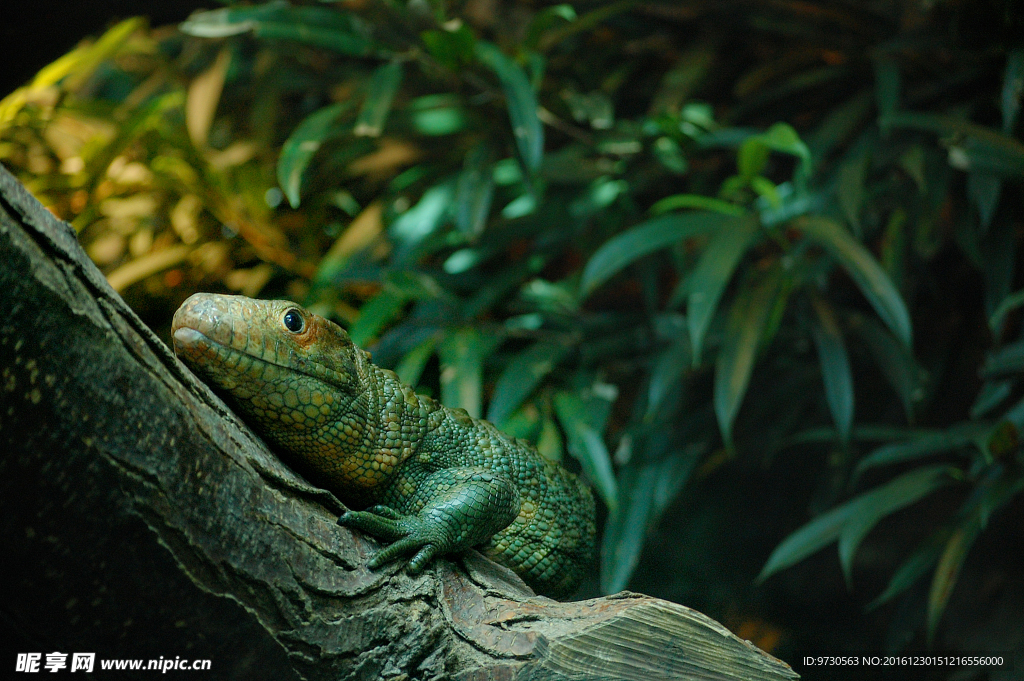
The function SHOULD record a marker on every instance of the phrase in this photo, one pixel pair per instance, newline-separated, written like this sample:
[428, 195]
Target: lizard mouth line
[187, 337]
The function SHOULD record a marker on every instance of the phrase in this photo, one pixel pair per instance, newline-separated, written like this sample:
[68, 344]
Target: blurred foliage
[663, 238]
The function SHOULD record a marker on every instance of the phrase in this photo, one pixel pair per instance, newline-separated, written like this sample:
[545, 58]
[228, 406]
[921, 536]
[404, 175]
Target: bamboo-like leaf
[462, 355]
[411, 367]
[522, 104]
[894, 360]
[677, 201]
[317, 26]
[991, 395]
[381, 93]
[1013, 87]
[887, 90]
[979, 149]
[645, 238]
[883, 501]
[668, 370]
[926, 444]
[745, 328]
[586, 444]
[835, 367]
[627, 527]
[948, 571]
[474, 191]
[1005, 307]
[865, 271]
[376, 314]
[913, 568]
[712, 274]
[521, 376]
[829, 526]
[302, 144]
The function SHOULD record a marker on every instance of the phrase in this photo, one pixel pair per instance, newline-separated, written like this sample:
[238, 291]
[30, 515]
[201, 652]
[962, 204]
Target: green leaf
[835, 367]
[474, 191]
[462, 354]
[644, 493]
[545, 19]
[667, 372]
[978, 148]
[317, 26]
[913, 568]
[887, 91]
[586, 444]
[864, 270]
[924, 444]
[948, 571]
[851, 190]
[748, 319]
[670, 203]
[411, 367]
[782, 137]
[383, 86]
[985, 190]
[752, 157]
[1005, 307]
[894, 360]
[991, 395]
[705, 285]
[647, 237]
[627, 527]
[522, 375]
[376, 313]
[883, 501]
[451, 48]
[1013, 87]
[522, 104]
[829, 526]
[302, 144]
[1008, 359]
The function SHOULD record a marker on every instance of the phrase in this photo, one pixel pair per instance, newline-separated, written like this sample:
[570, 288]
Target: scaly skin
[440, 481]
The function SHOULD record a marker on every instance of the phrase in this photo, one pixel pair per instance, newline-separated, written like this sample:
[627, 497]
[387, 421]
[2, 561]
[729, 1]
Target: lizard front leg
[450, 510]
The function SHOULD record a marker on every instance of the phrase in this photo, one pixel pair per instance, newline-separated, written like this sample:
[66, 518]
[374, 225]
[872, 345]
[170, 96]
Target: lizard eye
[293, 321]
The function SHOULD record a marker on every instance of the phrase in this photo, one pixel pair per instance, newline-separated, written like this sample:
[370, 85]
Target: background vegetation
[751, 267]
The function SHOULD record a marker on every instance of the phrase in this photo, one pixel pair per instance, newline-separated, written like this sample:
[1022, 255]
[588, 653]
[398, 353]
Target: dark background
[34, 34]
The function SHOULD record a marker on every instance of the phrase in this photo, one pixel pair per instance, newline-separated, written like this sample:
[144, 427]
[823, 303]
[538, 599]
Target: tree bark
[139, 513]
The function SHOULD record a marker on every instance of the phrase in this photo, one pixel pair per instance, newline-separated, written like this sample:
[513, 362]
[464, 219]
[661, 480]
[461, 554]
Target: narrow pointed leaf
[411, 367]
[626, 528]
[462, 355]
[835, 368]
[829, 526]
[522, 103]
[376, 313]
[587, 445]
[948, 571]
[864, 270]
[474, 191]
[667, 372]
[381, 93]
[317, 26]
[935, 442]
[712, 274]
[883, 501]
[913, 568]
[301, 145]
[647, 237]
[748, 320]
[670, 203]
[521, 377]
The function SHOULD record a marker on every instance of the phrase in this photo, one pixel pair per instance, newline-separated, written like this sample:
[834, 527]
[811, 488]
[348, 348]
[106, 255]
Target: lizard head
[285, 367]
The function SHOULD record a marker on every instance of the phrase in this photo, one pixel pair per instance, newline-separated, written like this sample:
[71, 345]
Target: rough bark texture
[134, 501]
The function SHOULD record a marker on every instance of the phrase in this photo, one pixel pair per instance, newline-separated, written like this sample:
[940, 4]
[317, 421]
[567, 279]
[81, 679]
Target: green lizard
[440, 480]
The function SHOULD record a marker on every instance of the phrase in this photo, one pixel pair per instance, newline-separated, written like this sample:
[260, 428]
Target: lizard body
[440, 480]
